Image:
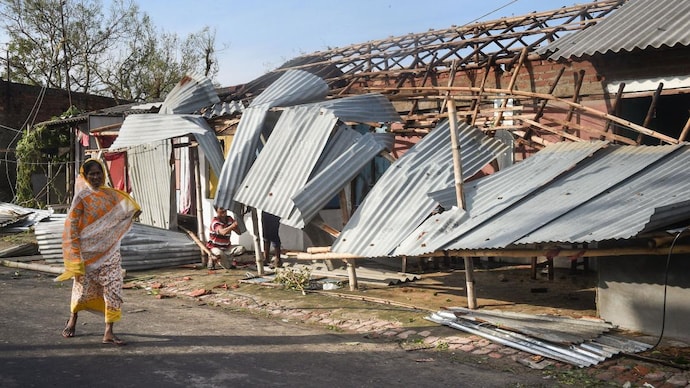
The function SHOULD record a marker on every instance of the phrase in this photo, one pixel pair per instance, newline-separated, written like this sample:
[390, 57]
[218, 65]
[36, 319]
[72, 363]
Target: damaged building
[570, 126]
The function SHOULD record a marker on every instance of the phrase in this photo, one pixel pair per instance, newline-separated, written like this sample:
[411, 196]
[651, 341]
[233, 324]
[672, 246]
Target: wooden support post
[351, 274]
[533, 268]
[651, 110]
[469, 282]
[345, 199]
[197, 200]
[259, 255]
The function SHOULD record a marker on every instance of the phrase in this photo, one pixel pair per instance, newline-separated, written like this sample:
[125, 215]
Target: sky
[254, 37]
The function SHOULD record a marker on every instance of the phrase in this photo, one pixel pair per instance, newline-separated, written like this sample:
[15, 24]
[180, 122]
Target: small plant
[294, 279]
[442, 346]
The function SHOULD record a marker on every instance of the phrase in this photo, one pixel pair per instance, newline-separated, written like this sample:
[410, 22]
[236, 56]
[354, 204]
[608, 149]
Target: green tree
[79, 46]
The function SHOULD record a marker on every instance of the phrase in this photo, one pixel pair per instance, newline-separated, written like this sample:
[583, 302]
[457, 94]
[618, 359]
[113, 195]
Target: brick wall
[16, 104]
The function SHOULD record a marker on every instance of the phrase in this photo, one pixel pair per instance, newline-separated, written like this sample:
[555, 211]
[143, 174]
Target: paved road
[173, 342]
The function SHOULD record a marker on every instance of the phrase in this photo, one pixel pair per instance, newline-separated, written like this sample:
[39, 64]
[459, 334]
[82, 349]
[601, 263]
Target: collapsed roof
[305, 146]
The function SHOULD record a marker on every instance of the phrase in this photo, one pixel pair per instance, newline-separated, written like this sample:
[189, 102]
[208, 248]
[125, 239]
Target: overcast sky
[261, 35]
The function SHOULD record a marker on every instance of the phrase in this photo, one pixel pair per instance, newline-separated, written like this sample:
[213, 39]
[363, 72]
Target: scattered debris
[579, 342]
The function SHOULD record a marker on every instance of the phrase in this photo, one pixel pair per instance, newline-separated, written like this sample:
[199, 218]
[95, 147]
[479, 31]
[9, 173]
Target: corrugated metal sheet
[399, 201]
[298, 142]
[223, 109]
[10, 213]
[330, 180]
[365, 108]
[572, 345]
[656, 197]
[293, 87]
[487, 197]
[152, 128]
[143, 247]
[192, 93]
[593, 177]
[637, 24]
[286, 162]
[568, 192]
[150, 171]
[14, 217]
[553, 328]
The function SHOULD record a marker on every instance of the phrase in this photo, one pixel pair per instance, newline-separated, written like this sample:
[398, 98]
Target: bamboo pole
[604, 135]
[615, 107]
[345, 209]
[196, 240]
[576, 97]
[318, 249]
[34, 267]
[477, 102]
[258, 255]
[457, 165]
[460, 198]
[684, 132]
[511, 85]
[592, 111]
[652, 108]
[552, 88]
[589, 252]
[562, 133]
[197, 194]
[451, 80]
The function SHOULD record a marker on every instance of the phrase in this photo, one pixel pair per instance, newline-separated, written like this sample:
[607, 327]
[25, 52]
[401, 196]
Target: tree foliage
[80, 46]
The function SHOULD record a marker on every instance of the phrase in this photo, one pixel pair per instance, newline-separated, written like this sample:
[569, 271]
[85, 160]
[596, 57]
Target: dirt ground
[497, 287]
[503, 287]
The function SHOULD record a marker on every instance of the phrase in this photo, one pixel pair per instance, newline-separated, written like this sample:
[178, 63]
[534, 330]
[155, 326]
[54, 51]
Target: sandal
[68, 331]
[115, 341]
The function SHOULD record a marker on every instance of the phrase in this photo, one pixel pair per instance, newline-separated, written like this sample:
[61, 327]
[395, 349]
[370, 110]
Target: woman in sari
[98, 219]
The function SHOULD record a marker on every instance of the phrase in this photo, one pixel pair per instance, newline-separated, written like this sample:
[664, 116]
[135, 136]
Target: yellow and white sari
[96, 223]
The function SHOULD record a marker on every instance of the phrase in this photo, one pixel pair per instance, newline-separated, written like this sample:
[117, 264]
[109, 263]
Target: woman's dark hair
[89, 163]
